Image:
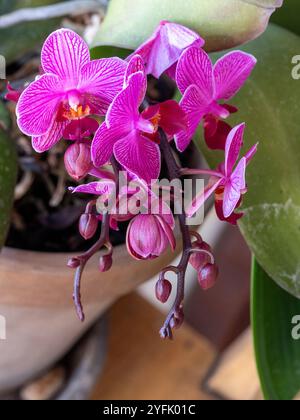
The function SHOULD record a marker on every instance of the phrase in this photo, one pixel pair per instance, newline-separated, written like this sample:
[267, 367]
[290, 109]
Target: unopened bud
[208, 275]
[78, 160]
[105, 263]
[88, 224]
[73, 263]
[163, 290]
[199, 259]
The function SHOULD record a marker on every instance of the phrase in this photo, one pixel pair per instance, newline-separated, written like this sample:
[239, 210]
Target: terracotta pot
[36, 300]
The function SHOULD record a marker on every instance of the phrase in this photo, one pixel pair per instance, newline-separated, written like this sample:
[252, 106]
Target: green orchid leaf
[288, 16]
[107, 51]
[276, 331]
[130, 22]
[8, 174]
[269, 104]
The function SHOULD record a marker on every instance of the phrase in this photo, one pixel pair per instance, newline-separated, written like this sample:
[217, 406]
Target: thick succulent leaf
[276, 331]
[129, 22]
[8, 172]
[288, 16]
[269, 104]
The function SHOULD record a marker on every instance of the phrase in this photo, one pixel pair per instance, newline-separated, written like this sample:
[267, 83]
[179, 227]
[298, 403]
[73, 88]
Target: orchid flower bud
[78, 161]
[207, 276]
[88, 224]
[12, 94]
[73, 263]
[163, 289]
[105, 263]
[148, 236]
[199, 259]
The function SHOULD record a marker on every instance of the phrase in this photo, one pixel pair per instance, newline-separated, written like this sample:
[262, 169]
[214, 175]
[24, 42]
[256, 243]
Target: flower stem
[187, 171]
[175, 173]
[82, 259]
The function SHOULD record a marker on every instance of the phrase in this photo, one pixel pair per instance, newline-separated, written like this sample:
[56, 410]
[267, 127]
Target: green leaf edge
[263, 366]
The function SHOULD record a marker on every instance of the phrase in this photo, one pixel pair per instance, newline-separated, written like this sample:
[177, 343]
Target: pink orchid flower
[131, 136]
[72, 88]
[203, 87]
[162, 50]
[229, 180]
[148, 236]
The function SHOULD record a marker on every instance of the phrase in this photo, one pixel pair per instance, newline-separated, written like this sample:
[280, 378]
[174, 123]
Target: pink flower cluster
[101, 108]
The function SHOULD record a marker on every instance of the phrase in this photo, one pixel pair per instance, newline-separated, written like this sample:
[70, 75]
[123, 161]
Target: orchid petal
[164, 48]
[216, 132]
[95, 188]
[151, 112]
[103, 79]
[250, 154]
[135, 65]
[232, 219]
[102, 173]
[230, 73]
[124, 110]
[233, 146]
[173, 119]
[168, 231]
[139, 155]
[171, 71]
[64, 53]
[194, 108]
[234, 188]
[195, 68]
[48, 140]
[161, 208]
[201, 198]
[103, 143]
[38, 104]
[145, 237]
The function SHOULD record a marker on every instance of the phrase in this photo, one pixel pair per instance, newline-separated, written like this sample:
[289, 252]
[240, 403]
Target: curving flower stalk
[175, 316]
[80, 262]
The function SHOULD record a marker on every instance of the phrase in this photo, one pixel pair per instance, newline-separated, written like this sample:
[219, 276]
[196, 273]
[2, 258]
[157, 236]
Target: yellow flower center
[77, 113]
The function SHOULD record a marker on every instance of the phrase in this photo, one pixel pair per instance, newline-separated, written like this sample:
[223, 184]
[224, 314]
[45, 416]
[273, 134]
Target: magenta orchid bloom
[72, 88]
[229, 180]
[162, 50]
[148, 236]
[203, 87]
[131, 136]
